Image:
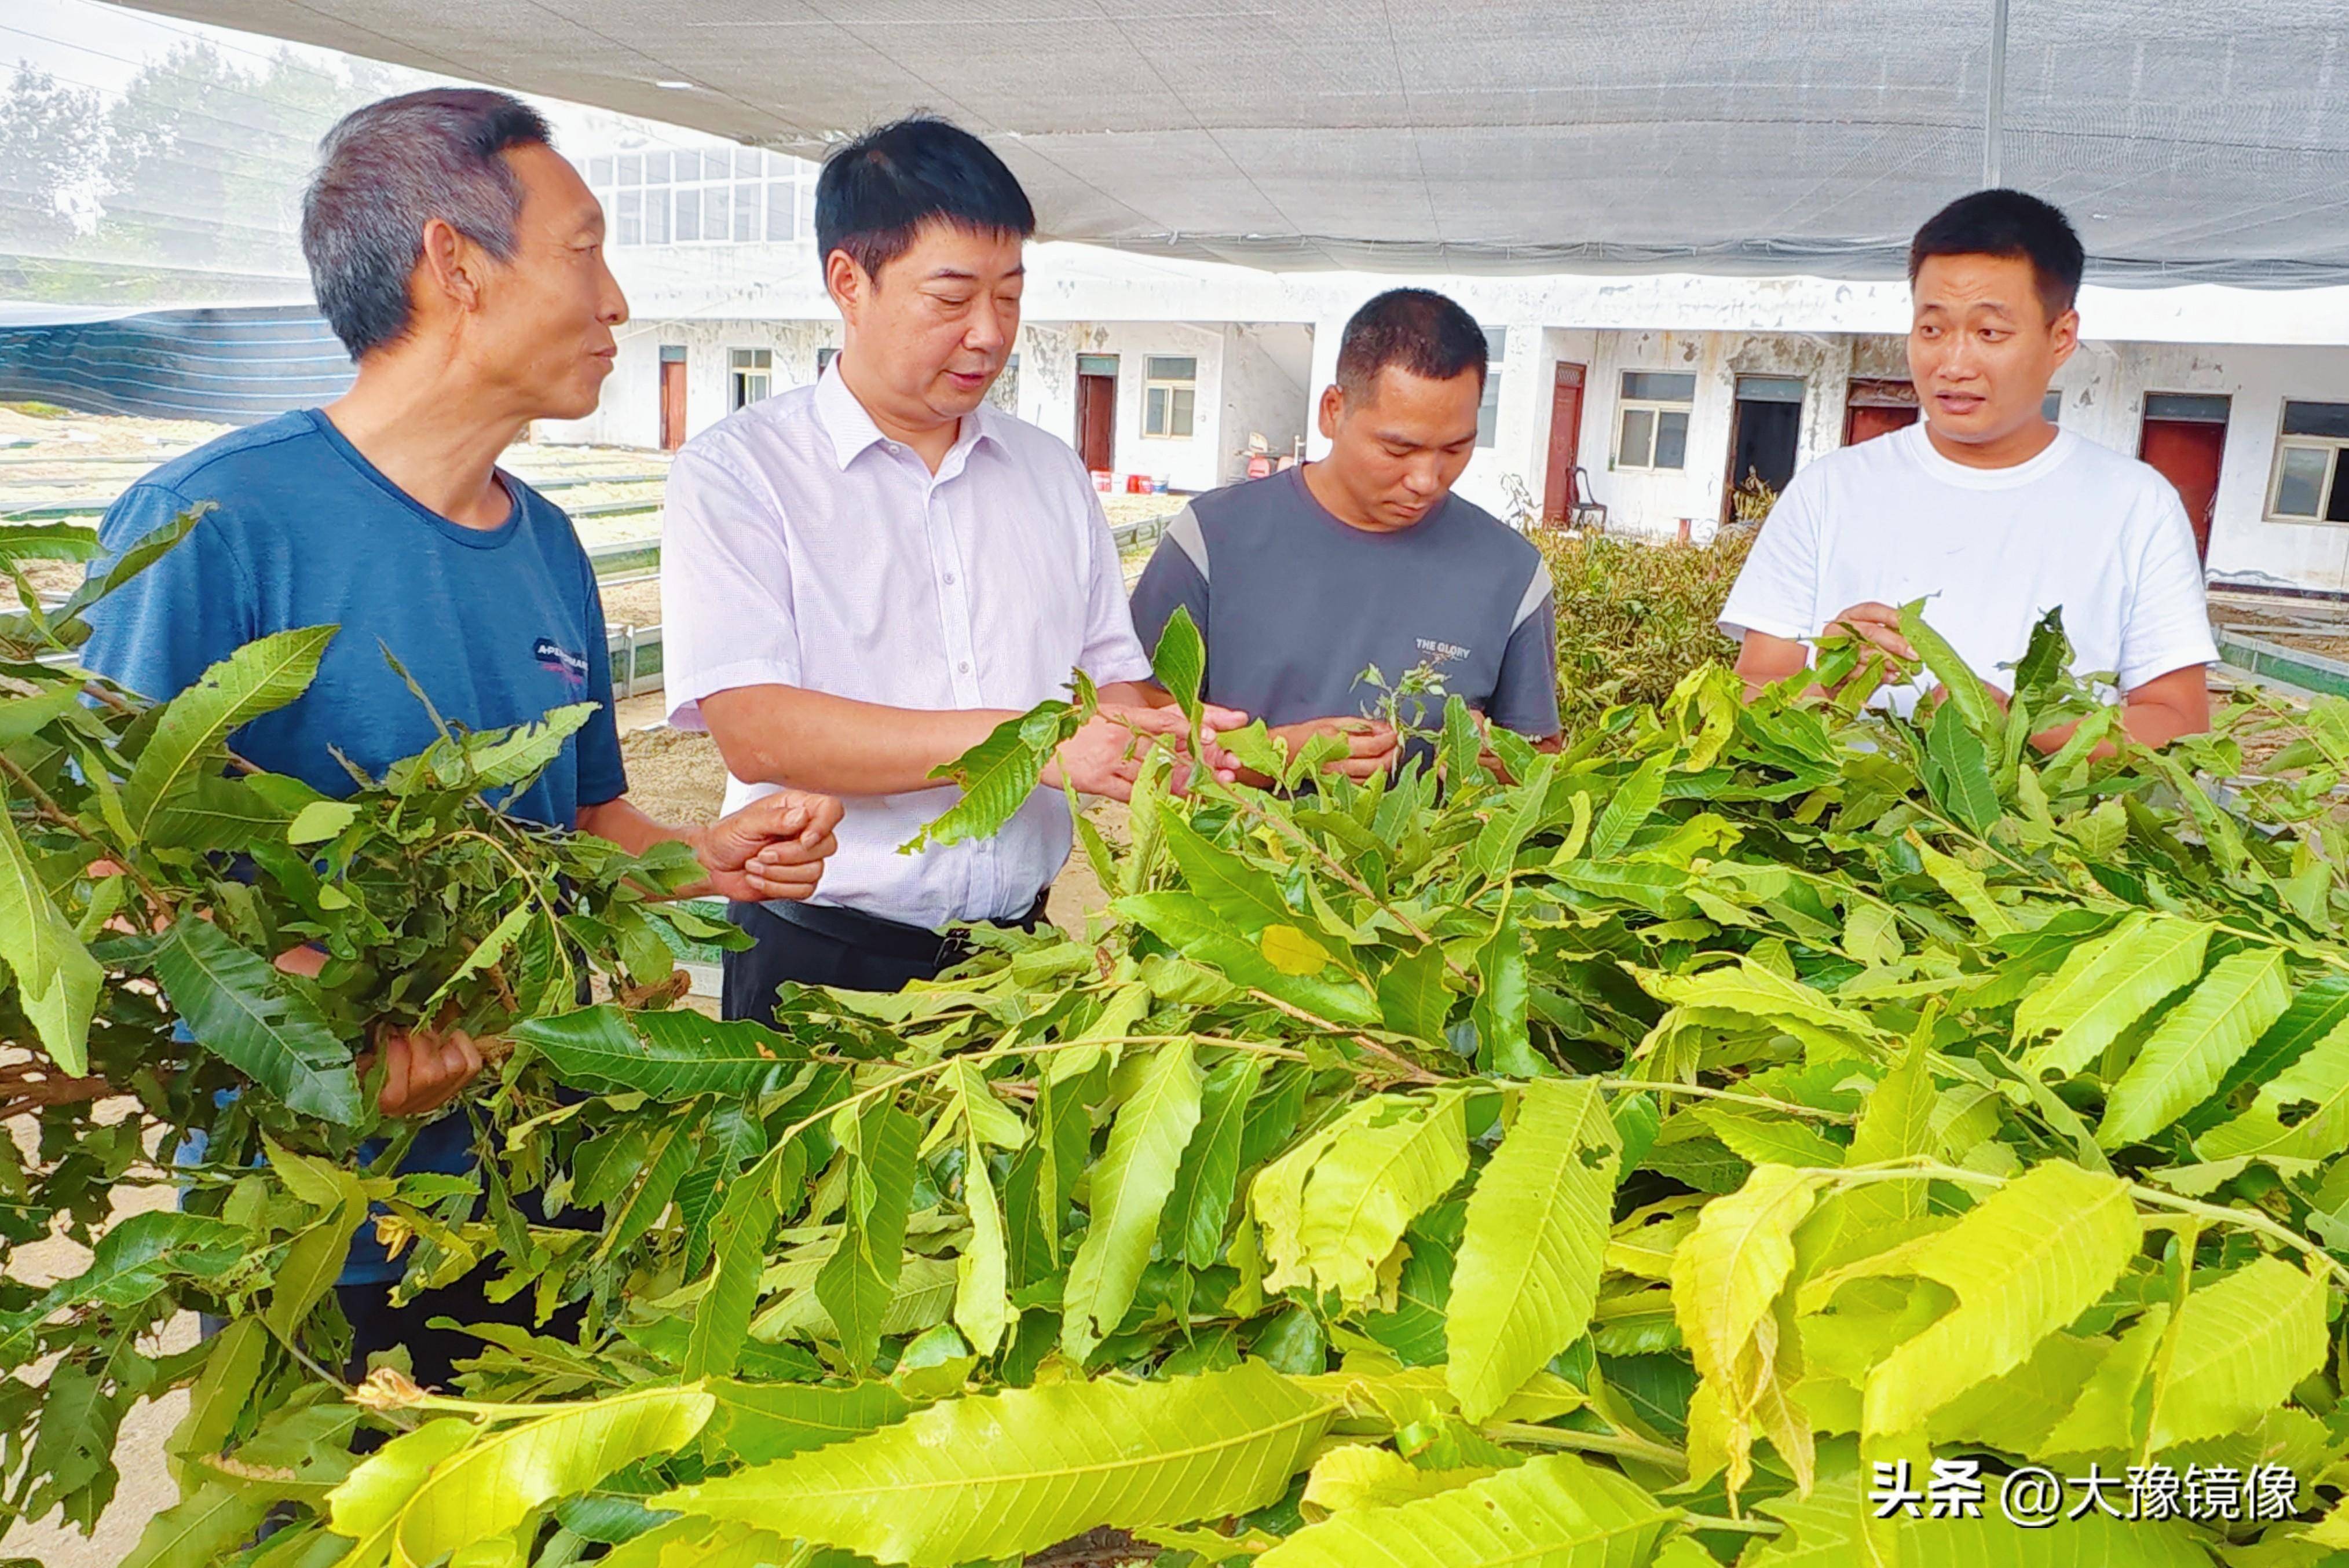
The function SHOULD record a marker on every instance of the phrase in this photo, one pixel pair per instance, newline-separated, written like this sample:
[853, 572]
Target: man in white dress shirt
[1984, 509]
[862, 578]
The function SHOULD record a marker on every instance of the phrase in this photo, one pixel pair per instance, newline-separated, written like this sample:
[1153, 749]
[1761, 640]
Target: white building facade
[1662, 390]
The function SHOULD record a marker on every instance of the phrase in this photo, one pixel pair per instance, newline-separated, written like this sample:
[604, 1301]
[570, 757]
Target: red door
[672, 403]
[1565, 443]
[1097, 421]
[2187, 454]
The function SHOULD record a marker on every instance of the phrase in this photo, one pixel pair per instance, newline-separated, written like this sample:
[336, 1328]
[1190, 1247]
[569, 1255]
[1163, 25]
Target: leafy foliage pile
[1603, 1165]
[1634, 618]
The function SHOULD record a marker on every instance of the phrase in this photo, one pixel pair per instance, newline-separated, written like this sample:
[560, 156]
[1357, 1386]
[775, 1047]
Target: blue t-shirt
[498, 626]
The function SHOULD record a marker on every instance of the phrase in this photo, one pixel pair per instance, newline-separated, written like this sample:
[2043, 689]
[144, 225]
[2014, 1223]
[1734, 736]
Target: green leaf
[57, 979]
[675, 1054]
[21, 541]
[1554, 1511]
[131, 1262]
[1201, 1203]
[982, 1308]
[999, 1476]
[1964, 885]
[859, 1281]
[188, 741]
[1728, 1275]
[1247, 898]
[1461, 748]
[491, 1485]
[758, 1422]
[2314, 1089]
[1180, 662]
[1504, 830]
[746, 1221]
[998, 775]
[321, 821]
[242, 1010]
[2317, 1010]
[211, 813]
[1965, 687]
[2023, 1263]
[2239, 1348]
[1131, 1184]
[2106, 987]
[1334, 1207]
[1503, 1042]
[1192, 927]
[671, 1156]
[1415, 996]
[1747, 988]
[316, 1259]
[131, 562]
[198, 1529]
[1634, 801]
[504, 759]
[2045, 659]
[1961, 769]
[2178, 1067]
[1529, 1264]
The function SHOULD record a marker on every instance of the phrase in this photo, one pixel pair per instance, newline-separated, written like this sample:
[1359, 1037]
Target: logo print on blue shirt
[553, 655]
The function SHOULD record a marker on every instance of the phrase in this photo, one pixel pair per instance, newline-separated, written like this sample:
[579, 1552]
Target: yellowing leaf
[1529, 1264]
[1382, 1163]
[1291, 952]
[2183, 1060]
[1359, 1476]
[2238, 1349]
[2023, 1263]
[1007, 1474]
[1554, 1511]
[2106, 987]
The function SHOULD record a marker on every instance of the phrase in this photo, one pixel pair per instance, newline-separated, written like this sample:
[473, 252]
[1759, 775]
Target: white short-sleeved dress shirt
[804, 548]
[2081, 528]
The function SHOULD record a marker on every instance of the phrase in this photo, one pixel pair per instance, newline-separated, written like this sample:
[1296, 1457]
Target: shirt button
[949, 579]
[964, 668]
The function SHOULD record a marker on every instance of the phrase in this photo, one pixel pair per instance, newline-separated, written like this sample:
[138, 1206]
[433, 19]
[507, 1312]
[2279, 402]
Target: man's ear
[849, 284]
[2064, 333]
[450, 266]
[1333, 403]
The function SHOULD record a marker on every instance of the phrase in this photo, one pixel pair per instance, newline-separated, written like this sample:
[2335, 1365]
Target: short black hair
[1417, 330]
[2009, 224]
[387, 170]
[875, 194]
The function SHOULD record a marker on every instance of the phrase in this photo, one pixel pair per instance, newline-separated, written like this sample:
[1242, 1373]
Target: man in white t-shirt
[1984, 509]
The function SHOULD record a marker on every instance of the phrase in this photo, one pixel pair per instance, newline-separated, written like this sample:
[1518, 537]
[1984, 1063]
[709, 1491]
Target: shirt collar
[852, 430]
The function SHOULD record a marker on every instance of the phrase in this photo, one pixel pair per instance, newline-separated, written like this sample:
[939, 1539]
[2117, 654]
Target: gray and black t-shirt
[1295, 605]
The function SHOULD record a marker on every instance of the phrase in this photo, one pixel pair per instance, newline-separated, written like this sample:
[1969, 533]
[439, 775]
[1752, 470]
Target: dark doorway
[1877, 408]
[1558, 498]
[672, 396]
[1763, 434]
[2185, 436]
[1097, 410]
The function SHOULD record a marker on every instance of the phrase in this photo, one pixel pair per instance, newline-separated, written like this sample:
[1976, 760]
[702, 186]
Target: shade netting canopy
[2191, 141]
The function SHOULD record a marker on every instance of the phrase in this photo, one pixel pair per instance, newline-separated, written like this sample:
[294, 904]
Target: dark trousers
[826, 945]
[433, 1353]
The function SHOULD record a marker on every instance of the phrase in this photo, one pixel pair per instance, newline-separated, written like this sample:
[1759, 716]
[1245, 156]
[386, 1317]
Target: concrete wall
[1263, 390]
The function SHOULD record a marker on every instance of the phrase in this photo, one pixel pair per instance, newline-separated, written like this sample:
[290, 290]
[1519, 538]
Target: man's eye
[952, 302]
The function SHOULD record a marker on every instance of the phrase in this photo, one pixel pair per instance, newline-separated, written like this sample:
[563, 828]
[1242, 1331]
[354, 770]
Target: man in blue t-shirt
[461, 260]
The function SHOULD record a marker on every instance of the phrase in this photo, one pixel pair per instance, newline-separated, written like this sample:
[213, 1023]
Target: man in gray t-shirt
[1302, 581]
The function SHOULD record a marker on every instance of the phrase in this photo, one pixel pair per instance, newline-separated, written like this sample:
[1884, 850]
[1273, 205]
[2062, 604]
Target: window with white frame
[1488, 406]
[1170, 396]
[2312, 481]
[1653, 419]
[734, 195]
[753, 373]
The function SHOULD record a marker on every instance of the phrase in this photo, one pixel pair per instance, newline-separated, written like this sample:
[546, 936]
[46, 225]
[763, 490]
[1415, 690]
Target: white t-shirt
[1989, 550]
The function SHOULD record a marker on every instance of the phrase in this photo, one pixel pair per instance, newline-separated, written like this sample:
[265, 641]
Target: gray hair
[387, 170]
